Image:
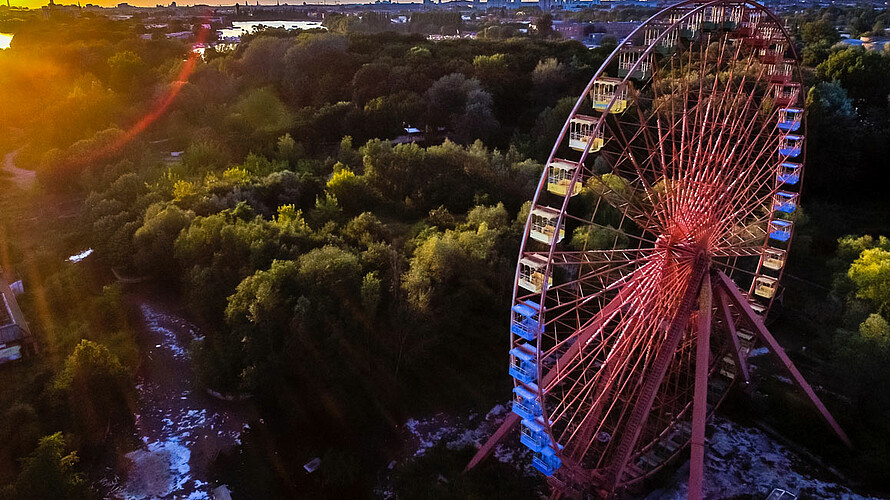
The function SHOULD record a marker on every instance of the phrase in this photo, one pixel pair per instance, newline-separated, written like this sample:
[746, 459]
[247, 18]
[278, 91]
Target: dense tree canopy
[338, 262]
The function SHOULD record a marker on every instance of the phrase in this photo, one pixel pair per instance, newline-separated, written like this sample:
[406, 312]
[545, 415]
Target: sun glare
[5, 40]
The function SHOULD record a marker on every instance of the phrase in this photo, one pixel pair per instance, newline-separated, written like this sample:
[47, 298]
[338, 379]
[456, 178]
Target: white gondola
[668, 43]
[628, 57]
[773, 258]
[765, 286]
[786, 94]
[581, 132]
[559, 177]
[606, 89]
[771, 53]
[780, 72]
[543, 227]
[531, 273]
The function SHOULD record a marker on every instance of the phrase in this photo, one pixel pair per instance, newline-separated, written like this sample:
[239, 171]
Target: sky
[33, 4]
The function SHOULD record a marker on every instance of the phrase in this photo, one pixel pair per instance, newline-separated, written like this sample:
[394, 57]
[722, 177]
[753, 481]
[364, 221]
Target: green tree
[49, 473]
[126, 71]
[204, 155]
[544, 26]
[218, 251]
[875, 329]
[830, 101]
[494, 217]
[260, 114]
[818, 32]
[97, 388]
[20, 430]
[871, 275]
[550, 77]
[365, 230]
[452, 271]
[492, 70]
[864, 73]
[598, 238]
[462, 105]
[154, 240]
[370, 81]
[350, 190]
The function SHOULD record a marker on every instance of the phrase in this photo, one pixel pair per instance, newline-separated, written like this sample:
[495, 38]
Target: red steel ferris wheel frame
[703, 283]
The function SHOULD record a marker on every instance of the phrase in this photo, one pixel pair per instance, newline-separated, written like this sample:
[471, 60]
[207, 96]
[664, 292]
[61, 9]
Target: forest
[345, 279]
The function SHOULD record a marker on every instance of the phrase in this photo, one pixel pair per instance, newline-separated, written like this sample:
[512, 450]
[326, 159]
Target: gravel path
[23, 178]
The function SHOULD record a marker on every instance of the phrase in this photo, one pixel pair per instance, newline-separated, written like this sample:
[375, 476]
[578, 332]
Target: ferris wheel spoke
[646, 302]
[619, 286]
[691, 143]
[625, 297]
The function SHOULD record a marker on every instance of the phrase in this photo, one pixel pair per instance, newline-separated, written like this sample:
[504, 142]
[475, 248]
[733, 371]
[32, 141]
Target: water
[5, 40]
[80, 256]
[182, 429]
[241, 27]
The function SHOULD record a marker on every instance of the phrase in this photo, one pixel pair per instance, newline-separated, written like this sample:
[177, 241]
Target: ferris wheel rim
[698, 7]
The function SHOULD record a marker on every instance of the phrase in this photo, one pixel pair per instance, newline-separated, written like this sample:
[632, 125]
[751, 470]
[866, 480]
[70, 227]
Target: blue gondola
[546, 461]
[525, 403]
[785, 202]
[780, 230]
[791, 145]
[523, 321]
[533, 435]
[789, 119]
[789, 173]
[522, 364]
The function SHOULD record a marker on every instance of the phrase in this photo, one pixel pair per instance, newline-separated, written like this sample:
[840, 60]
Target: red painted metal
[655, 375]
[506, 426]
[735, 350]
[595, 326]
[692, 162]
[738, 300]
[700, 397]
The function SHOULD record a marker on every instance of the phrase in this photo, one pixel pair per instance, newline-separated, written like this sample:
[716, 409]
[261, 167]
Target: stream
[182, 428]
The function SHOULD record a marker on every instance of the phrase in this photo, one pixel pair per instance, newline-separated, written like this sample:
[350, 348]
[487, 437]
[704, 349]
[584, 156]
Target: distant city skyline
[36, 4]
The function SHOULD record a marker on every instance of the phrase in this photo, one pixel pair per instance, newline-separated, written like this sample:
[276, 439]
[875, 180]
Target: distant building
[570, 30]
[15, 336]
[411, 134]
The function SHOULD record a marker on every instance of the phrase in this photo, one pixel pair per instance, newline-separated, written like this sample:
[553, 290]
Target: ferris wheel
[654, 247]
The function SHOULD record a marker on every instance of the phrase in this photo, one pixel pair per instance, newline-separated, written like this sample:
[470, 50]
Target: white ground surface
[740, 460]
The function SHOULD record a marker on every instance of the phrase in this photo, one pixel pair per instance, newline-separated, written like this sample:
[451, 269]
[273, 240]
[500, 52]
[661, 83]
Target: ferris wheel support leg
[728, 286]
[733, 337]
[700, 395]
[595, 326]
[655, 375]
[486, 449]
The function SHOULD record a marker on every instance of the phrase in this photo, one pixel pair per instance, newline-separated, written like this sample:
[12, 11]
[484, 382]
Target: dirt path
[23, 178]
[182, 429]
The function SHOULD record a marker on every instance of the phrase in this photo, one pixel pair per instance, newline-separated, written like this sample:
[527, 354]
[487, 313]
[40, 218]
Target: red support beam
[739, 301]
[486, 449]
[602, 317]
[700, 396]
[735, 349]
[655, 375]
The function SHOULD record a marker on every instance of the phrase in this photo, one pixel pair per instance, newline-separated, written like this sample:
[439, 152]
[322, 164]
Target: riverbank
[182, 428]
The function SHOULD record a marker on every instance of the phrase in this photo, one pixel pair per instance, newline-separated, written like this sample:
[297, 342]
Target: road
[21, 177]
